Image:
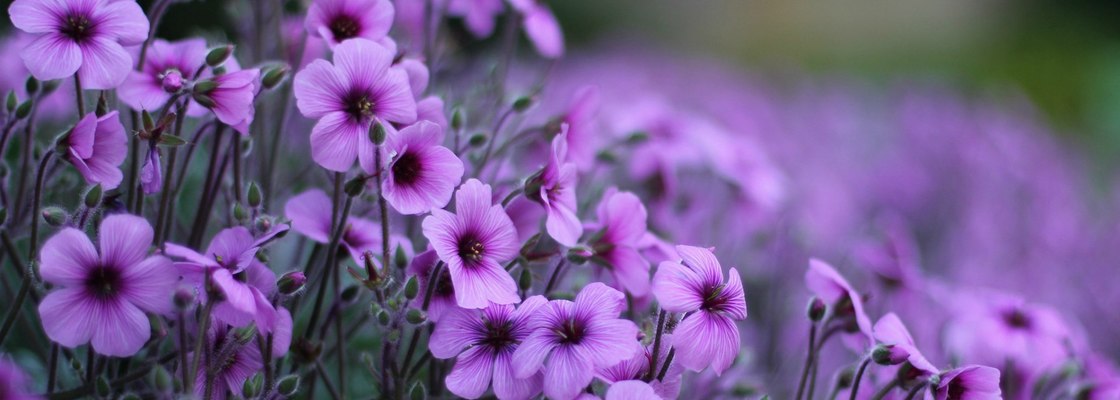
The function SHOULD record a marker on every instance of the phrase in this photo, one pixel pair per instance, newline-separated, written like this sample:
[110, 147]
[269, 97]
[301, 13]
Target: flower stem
[78, 95]
[810, 355]
[656, 345]
[37, 199]
[555, 278]
[665, 367]
[885, 390]
[914, 392]
[200, 342]
[859, 376]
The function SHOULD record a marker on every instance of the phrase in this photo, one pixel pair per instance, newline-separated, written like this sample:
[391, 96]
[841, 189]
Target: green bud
[252, 386]
[218, 55]
[291, 282]
[457, 119]
[102, 386]
[155, 324]
[383, 317]
[149, 121]
[845, 376]
[32, 85]
[239, 212]
[400, 258]
[54, 216]
[374, 308]
[377, 133]
[12, 101]
[606, 156]
[162, 379]
[204, 87]
[167, 139]
[50, 86]
[417, 392]
[525, 281]
[350, 293]
[75, 364]
[354, 187]
[478, 139]
[24, 109]
[274, 76]
[288, 385]
[411, 288]
[415, 317]
[254, 195]
[522, 103]
[244, 335]
[637, 137]
[92, 197]
[816, 309]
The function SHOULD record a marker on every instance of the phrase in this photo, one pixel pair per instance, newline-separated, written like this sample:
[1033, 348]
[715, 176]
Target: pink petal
[457, 330]
[431, 109]
[310, 213]
[67, 257]
[377, 19]
[362, 63]
[105, 64]
[566, 375]
[609, 341]
[124, 239]
[562, 224]
[121, 330]
[631, 270]
[480, 285]
[36, 16]
[417, 75]
[232, 244]
[394, 98]
[631, 390]
[237, 294]
[530, 355]
[282, 333]
[471, 374]
[625, 217]
[69, 316]
[83, 136]
[703, 262]
[334, 141]
[125, 20]
[319, 89]
[705, 339]
[52, 56]
[188, 254]
[677, 287]
[825, 282]
[506, 386]
[151, 283]
[736, 301]
[598, 301]
[543, 30]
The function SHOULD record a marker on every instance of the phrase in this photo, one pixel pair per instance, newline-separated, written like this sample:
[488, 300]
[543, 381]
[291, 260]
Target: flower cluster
[419, 210]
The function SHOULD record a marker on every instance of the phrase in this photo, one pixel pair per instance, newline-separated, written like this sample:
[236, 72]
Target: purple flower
[557, 192]
[151, 175]
[230, 269]
[422, 173]
[708, 335]
[577, 338]
[102, 298]
[13, 382]
[995, 328]
[484, 341]
[478, 15]
[890, 331]
[637, 366]
[846, 303]
[474, 241]
[238, 362]
[232, 98]
[338, 20]
[310, 213]
[631, 390]
[97, 146]
[443, 296]
[166, 67]
[358, 90]
[541, 27]
[973, 382]
[80, 36]
[620, 229]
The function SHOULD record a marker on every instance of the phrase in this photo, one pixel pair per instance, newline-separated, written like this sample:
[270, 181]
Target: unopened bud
[522, 103]
[254, 195]
[218, 55]
[54, 216]
[24, 109]
[382, 317]
[579, 255]
[525, 281]
[816, 309]
[102, 386]
[172, 81]
[183, 298]
[889, 355]
[92, 197]
[415, 316]
[478, 139]
[32, 85]
[377, 133]
[354, 187]
[252, 386]
[50, 86]
[162, 380]
[205, 86]
[263, 224]
[411, 288]
[239, 212]
[417, 392]
[102, 107]
[149, 121]
[203, 100]
[274, 76]
[288, 385]
[155, 323]
[12, 101]
[244, 335]
[844, 377]
[457, 119]
[350, 293]
[291, 283]
[400, 259]
[75, 364]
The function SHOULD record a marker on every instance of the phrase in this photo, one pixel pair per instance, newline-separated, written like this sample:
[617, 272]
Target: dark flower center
[343, 27]
[407, 168]
[714, 298]
[359, 106]
[956, 390]
[470, 249]
[104, 282]
[499, 335]
[77, 27]
[444, 287]
[1017, 319]
[571, 332]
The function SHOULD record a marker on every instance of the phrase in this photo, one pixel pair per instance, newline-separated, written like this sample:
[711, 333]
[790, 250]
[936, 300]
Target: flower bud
[291, 282]
[274, 76]
[383, 317]
[32, 85]
[889, 355]
[12, 101]
[246, 334]
[415, 317]
[203, 100]
[411, 288]
[579, 255]
[354, 187]
[252, 386]
[417, 392]
[254, 195]
[377, 133]
[522, 103]
[102, 107]
[218, 55]
[75, 364]
[844, 377]
[400, 258]
[183, 298]
[24, 109]
[148, 120]
[458, 118]
[263, 224]
[155, 324]
[239, 212]
[478, 139]
[102, 387]
[816, 309]
[349, 294]
[50, 86]
[172, 81]
[606, 156]
[525, 281]
[162, 380]
[204, 87]
[92, 198]
[54, 216]
[288, 385]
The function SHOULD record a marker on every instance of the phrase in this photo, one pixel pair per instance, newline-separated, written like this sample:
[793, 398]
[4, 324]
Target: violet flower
[96, 147]
[232, 98]
[633, 389]
[890, 331]
[231, 268]
[13, 382]
[845, 302]
[615, 242]
[422, 173]
[478, 15]
[541, 27]
[80, 36]
[231, 362]
[443, 295]
[484, 341]
[575, 339]
[359, 89]
[555, 188]
[707, 336]
[167, 67]
[336, 21]
[102, 298]
[995, 328]
[637, 366]
[310, 213]
[474, 241]
[973, 382]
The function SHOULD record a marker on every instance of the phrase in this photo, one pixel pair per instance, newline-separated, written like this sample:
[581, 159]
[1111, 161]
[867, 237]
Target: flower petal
[631, 390]
[124, 239]
[478, 286]
[69, 316]
[506, 386]
[457, 330]
[52, 56]
[125, 20]
[530, 355]
[67, 257]
[319, 89]
[704, 339]
[471, 374]
[598, 301]
[150, 284]
[334, 141]
[105, 64]
[121, 330]
[678, 288]
[566, 375]
[36, 16]
[310, 213]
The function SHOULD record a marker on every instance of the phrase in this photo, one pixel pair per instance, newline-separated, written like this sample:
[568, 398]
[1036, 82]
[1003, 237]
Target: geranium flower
[80, 36]
[636, 368]
[556, 190]
[310, 213]
[102, 298]
[890, 331]
[232, 97]
[443, 296]
[338, 20]
[973, 382]
[846, 303]
[96, 147]
[167, 67]
[617, 235]
[708, 335]
[575, 339]
[241, 361]
[358, 90]
[422, 173]
[484, 341]
[478, 15]
[540, 27]
[474, 241]
[13, 382]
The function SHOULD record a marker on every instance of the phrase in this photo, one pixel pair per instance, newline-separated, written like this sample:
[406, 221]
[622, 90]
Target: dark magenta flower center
[77, 27]
[714, 298]
[444, 288]
[499, 334]
[407, 168]
[1017, 319]
[470, 249]
[104, 282]
[571, 332]
[343, 27]
[956, 390]
[359, 106]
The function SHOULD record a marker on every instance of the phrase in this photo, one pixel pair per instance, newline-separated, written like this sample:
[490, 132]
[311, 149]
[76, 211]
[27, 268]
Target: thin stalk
[808, 360]
[555, 278]
[37, 199]
[183, 345]
[52, 366]
[200, 342]
[879, 395]
[859, 376]
[78, 95]
[656, 345]
[668, 361]
[914, 392]
[235, 144]
[326, 382]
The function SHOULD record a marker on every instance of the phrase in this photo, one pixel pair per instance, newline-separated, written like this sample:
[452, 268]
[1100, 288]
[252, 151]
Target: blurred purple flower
[631, 390]
[479, 15]
[241, 361]
[994, 329]
[422, 173]
[541, 27]
[577, 338]
[474, 241]
[358, 90]
[310, 213]
[97, 147]
[973, 382]
[707, 336]
[557, 183]
[102, 299]
[616, 237]
[151, 176]
[443, 295]
[80, 36]
[13, 382]
[846, 304]
[336, 21]
[487, 339]
[232, 99]
[890, 331]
